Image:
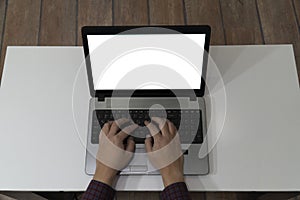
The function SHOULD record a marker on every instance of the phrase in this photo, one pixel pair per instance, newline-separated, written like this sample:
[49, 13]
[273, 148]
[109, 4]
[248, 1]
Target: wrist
[172, 177]
[104, 176]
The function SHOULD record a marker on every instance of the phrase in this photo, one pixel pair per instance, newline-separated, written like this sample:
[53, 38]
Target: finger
[172, 128]
[162, 123]
[130, 145]
[115, 126]
[105, 128]
[148, 144]
[122, 135]
[154, 131]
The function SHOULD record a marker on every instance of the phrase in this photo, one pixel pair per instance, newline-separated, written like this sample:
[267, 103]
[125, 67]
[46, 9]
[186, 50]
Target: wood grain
[166, 12]
[278, 21]
[21, 25]
[93, 13]
[241, 22]
[221, 196]
[201, 12]
[2, 19]
[198, 195]
[131, 12]
[297, 10]
[58, 22]
[124, 195]
[279, 196]
[146, 195]
[279, 24]
[298, 66]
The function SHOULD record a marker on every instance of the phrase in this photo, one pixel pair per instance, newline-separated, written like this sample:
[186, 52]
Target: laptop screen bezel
[113, 30]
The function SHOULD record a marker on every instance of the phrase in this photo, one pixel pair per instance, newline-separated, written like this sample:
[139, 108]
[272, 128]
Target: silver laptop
[143, 72]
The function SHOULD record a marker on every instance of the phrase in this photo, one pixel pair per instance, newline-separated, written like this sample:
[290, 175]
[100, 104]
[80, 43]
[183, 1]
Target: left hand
[113, 155]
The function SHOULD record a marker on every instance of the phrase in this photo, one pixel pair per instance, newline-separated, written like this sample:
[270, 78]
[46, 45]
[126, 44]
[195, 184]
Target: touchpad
[139, 161]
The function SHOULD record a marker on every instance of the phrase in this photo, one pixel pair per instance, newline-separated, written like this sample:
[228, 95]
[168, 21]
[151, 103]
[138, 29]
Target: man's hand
[164, 150]
[113, 155]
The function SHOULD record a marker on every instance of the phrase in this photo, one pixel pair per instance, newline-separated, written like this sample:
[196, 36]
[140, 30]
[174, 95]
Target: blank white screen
[108, 77]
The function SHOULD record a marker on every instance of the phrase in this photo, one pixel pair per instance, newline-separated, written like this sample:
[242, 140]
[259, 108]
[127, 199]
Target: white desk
[258, 150]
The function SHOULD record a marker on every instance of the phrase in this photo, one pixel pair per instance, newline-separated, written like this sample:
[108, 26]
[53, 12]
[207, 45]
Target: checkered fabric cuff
[176, 191]
[98, 190]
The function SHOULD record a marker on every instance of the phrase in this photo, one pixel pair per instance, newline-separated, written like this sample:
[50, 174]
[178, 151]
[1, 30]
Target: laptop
[142, 72]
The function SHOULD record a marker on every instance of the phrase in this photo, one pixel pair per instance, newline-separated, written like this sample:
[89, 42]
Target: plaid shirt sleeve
[176, 191]
[98, 190]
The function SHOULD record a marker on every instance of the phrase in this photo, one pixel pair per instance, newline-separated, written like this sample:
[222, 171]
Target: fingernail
[148, 136]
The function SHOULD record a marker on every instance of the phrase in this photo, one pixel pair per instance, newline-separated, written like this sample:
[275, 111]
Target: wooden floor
[233, 22]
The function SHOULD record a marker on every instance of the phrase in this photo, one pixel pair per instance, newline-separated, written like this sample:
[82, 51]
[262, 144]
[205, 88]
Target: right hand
[168, 160]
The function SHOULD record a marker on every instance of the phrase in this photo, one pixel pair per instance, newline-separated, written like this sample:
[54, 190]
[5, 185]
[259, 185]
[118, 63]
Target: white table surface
[258, 150]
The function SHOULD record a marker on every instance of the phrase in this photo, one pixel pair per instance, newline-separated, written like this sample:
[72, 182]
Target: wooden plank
[241, 22]
[198, 195]
[146, 195]
[221, 196]
[298, 66]
[21, 25]
[167, 12]
[58, 23]
[279, 196]
[131, 12]
[124, 195]
[2, 19]
[297, 10]
[93, 13]
[206, 12]
[279, 24]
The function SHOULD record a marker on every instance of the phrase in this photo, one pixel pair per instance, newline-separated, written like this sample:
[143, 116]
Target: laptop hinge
[193, 98]
[101, 97]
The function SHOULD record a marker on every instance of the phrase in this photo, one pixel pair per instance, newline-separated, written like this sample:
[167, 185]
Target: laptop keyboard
[187, 122]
